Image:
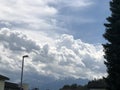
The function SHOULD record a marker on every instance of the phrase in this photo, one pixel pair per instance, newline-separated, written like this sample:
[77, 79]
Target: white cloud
[72, 58]
[16, 41]
[52, 57]
[35, 14]
[76, 3]
[25, 10]
[30, 15]
[66, 58]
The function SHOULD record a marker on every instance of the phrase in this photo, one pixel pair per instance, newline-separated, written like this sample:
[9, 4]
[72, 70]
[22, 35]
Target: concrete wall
[25, 87]
[2, 84]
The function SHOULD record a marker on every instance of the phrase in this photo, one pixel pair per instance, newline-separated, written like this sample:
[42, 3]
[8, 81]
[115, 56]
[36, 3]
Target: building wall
[2, 84]
[25, 86]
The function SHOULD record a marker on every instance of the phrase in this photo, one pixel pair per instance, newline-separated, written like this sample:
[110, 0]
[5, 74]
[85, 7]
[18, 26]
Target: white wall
[25, 86]
[2, 84]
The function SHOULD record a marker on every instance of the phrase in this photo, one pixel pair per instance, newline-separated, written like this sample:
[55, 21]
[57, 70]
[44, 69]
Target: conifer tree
[112, 48]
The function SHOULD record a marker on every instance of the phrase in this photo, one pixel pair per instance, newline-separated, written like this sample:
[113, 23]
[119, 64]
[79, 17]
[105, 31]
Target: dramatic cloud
[67, 58]
[49, 31]
[35, 14]
[16, 41]
[26, 14]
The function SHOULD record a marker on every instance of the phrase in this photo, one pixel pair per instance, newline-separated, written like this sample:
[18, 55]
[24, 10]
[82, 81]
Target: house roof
[3, 77]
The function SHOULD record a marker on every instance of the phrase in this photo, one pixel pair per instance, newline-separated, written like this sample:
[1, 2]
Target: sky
[62, 38]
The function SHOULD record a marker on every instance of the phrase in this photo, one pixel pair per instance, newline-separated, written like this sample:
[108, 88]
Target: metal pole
[21, 83]
[22, 73]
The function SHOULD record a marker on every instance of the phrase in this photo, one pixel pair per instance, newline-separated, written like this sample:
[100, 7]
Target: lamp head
[25, 56]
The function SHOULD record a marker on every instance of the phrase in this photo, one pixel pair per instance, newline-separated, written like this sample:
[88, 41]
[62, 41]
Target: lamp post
[21, 83]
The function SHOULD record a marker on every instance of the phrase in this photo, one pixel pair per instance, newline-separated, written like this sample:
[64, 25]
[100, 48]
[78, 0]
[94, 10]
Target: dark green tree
[112, 48]
[74, 86]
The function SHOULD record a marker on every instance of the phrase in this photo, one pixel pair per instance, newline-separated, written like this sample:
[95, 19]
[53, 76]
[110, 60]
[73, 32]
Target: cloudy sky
[62, 38]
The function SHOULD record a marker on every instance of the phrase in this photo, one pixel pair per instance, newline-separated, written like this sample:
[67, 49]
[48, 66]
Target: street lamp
[21, 84]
